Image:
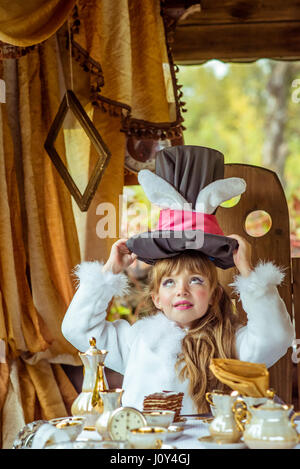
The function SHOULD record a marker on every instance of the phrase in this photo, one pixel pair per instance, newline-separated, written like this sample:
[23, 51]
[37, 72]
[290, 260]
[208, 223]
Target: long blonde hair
[211, 336]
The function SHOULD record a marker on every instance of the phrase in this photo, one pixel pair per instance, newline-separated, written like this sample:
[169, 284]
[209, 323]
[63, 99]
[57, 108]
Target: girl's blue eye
[168, 282]
[197, 280]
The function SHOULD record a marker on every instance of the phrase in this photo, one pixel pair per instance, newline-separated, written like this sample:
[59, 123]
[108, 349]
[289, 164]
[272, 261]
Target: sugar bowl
[267, 426]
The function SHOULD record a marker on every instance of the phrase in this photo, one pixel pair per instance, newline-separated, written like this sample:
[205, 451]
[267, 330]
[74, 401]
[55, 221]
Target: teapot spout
[100, 385]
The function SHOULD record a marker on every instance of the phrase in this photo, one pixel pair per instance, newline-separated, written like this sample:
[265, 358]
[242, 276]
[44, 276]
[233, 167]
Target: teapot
[88, 402]
[267, 426]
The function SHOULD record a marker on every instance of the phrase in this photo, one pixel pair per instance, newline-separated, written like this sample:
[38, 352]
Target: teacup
[223, 428]
[147, 437]
[159, 418]
[210, 396]
[71, 426]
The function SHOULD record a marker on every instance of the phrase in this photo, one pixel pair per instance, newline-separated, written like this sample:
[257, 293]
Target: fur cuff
[92, 276]
[264, 275]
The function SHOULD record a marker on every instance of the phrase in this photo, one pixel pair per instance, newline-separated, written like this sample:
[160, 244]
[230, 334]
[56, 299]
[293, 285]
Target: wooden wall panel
[232, 11]
[198, 43]
[234, 30]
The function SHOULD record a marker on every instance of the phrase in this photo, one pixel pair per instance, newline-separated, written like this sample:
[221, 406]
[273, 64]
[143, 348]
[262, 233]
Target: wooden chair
[264, 192]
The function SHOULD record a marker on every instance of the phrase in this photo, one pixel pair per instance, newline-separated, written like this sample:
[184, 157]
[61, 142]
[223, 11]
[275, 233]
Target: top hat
[188, 185]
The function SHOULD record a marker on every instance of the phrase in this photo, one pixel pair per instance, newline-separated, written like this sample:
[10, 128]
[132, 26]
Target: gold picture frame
[70, 102]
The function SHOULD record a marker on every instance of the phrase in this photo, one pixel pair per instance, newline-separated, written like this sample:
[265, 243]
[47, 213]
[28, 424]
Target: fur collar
[160, 334]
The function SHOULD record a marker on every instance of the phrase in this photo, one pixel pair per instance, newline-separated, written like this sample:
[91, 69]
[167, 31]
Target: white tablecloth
[193, 429]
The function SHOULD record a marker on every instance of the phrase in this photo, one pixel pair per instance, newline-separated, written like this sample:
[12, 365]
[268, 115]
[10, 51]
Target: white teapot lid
[272, 405]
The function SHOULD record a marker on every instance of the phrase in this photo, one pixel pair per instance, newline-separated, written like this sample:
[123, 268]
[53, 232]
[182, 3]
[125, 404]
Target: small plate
[174, 432]
[210, 443]
[202, 419]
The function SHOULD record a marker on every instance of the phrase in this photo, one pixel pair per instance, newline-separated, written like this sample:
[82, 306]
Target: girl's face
[183, 297]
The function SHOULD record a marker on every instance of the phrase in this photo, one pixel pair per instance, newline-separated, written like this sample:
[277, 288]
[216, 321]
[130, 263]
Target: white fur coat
[146, 352]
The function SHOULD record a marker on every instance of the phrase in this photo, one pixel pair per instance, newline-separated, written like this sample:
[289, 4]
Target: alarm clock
[141, 154]
[122, 420]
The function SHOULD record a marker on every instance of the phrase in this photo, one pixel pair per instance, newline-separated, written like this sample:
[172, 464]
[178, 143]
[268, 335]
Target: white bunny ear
[217, 192]
[160, 192]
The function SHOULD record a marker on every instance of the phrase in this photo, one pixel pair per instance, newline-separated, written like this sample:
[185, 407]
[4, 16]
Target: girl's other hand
[120, 257]
[242, 255]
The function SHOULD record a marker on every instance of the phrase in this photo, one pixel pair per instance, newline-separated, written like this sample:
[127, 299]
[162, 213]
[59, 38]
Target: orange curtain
[38, 246]
[31, 22]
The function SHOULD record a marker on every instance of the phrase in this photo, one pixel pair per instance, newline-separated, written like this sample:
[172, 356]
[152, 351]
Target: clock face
[124, 419]
[140, 154]
[135, 166]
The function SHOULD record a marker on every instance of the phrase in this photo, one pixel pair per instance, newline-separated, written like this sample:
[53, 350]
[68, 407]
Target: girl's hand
[242, 255]
[120, 257]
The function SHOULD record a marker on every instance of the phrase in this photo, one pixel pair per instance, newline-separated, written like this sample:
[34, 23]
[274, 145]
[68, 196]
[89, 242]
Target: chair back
[264, 192]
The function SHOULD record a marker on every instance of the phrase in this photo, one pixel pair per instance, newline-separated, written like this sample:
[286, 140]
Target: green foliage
[226, 112]
[120, 311]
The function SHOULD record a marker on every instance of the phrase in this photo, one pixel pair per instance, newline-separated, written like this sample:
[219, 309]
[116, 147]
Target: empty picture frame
[70, 102]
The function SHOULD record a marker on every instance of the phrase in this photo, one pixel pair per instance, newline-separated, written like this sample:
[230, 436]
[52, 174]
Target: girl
[191, 322]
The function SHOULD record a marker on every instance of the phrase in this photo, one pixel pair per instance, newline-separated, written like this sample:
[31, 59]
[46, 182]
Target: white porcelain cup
[71, 426]
[147, 437]
[159, 418]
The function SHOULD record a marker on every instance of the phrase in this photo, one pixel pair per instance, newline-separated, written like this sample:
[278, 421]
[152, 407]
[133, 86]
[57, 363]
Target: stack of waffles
[166, 400]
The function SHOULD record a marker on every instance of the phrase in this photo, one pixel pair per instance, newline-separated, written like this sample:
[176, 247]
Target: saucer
[209, 443]
[174, 431]
[202, 419]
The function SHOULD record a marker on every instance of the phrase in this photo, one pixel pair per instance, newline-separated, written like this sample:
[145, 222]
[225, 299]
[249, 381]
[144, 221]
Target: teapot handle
[241, 413]
[208, 398]
[295, 414]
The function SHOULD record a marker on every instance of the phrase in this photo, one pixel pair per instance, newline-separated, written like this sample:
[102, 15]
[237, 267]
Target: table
[193, 429]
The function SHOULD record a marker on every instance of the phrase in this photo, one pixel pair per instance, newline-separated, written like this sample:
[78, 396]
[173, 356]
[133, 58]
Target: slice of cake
[165, 400]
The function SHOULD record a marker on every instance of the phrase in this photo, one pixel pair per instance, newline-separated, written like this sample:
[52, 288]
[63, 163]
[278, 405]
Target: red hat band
[185, 220]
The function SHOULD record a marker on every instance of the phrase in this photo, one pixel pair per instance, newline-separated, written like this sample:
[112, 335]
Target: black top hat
[189, 186]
